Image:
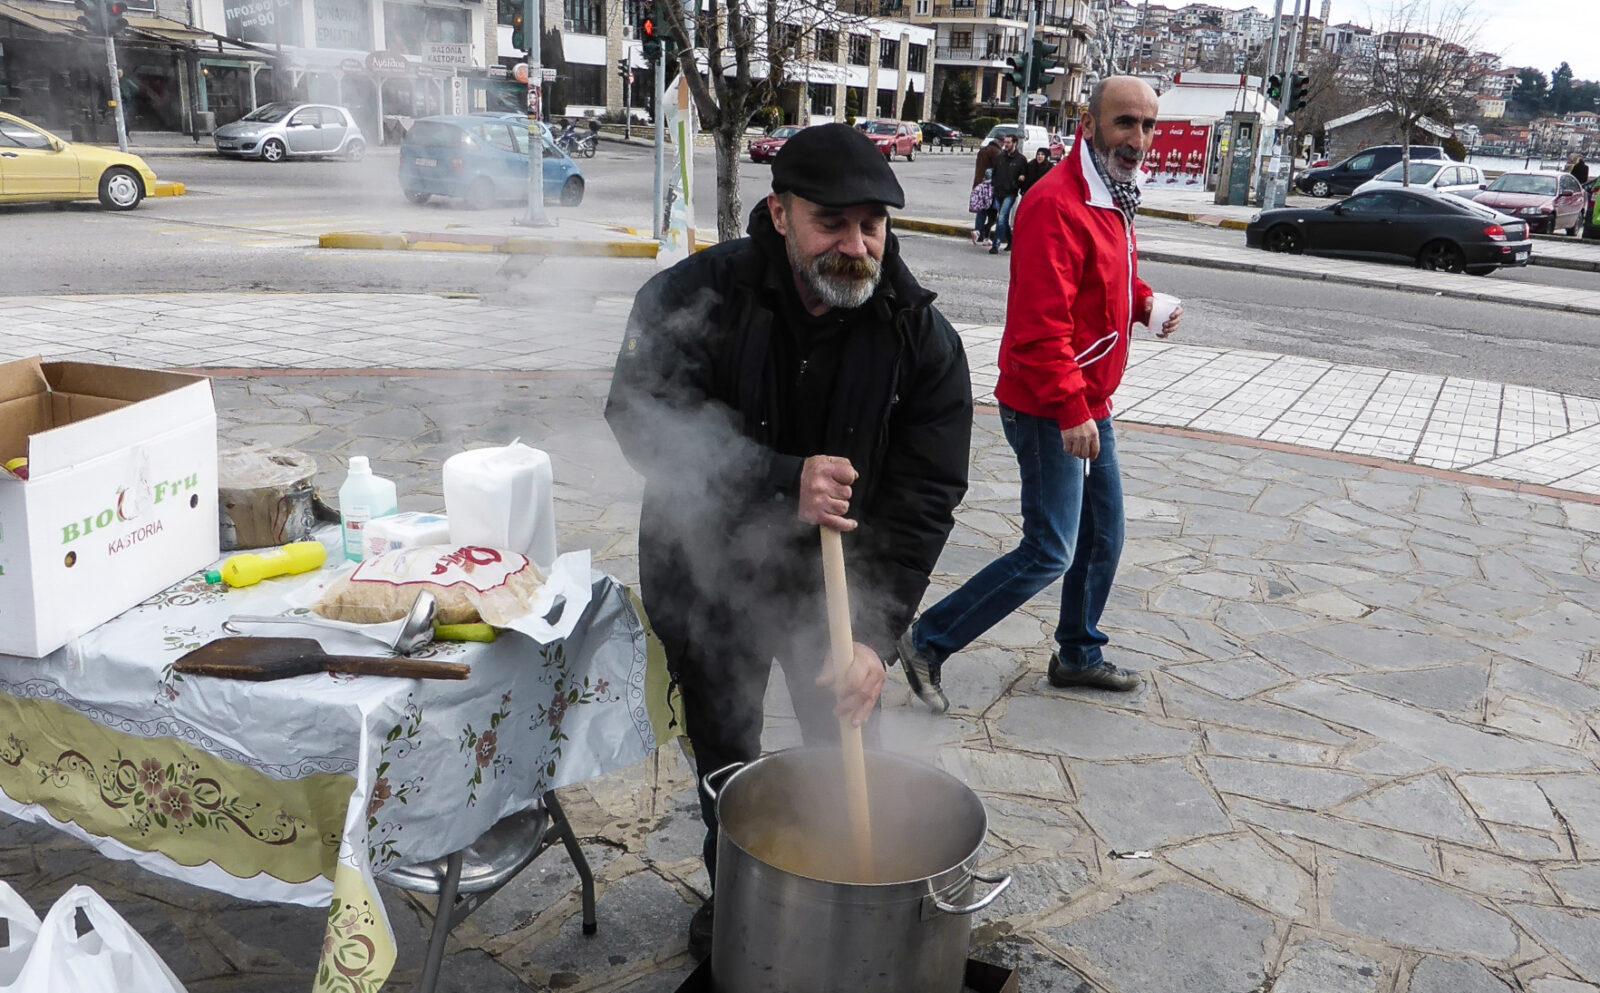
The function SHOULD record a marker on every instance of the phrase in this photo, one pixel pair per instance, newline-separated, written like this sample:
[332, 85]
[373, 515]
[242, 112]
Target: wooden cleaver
[261, 660]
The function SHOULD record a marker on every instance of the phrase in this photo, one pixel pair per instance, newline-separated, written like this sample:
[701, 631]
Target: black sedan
[1433, 230]
[934, 133]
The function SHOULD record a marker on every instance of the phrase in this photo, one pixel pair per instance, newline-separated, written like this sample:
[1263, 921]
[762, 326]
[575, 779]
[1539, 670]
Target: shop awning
[31, 20]
[141, 28]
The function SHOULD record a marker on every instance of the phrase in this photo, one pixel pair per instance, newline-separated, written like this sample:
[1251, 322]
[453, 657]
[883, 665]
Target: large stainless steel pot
[793, 913]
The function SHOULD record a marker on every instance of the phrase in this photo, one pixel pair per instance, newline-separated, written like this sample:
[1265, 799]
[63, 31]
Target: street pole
[627, 98]
[1267, 137]
[1280, 191]
[658, 205]
[533, 28]
[1027, 67]
[116, 92]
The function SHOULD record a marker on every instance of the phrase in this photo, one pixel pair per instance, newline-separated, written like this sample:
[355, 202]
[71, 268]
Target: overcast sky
[1539, 33]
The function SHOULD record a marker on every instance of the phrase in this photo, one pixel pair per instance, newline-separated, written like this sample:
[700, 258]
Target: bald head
[1120, 88]
[1121, 122]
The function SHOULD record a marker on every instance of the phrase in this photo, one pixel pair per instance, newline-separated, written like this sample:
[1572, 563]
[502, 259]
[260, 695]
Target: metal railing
[972, 54]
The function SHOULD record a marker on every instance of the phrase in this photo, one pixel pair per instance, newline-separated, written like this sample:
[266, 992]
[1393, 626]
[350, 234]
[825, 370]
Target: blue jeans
[1072, 526]
[1002, 230]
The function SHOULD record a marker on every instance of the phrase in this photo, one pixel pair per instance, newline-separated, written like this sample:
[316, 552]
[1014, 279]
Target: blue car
[482, 159]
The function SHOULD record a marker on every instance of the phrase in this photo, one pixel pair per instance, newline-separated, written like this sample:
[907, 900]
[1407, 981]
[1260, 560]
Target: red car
[892, 138]
[763, 149]
[1548, 200]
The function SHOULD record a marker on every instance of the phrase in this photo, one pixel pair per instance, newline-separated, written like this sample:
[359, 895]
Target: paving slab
[1150, 941]
[1442, 975]
[1399, 909]
[1323, 967]
[1428, 806]
[1145, 805]
[1573, 935]
[1307, 787]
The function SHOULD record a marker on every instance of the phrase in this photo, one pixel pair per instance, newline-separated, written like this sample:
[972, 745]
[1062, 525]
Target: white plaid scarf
[1124, 195]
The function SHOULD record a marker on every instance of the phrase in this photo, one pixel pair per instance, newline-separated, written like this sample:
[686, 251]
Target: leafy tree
[1561, 96]
[1530, 92]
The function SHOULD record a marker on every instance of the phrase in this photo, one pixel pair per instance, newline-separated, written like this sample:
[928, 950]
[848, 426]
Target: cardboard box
[120, 500]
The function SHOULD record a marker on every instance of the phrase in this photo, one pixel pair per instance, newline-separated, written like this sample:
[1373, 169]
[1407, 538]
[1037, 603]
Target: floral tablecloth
[306, 790]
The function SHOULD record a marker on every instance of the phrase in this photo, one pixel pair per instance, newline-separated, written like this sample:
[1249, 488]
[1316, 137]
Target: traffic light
[100, 18]
[1043, 63]
[649, 34]
[1275, 87]
[624, 70]
[1300, 94]
[1019, 71]
[518, 37]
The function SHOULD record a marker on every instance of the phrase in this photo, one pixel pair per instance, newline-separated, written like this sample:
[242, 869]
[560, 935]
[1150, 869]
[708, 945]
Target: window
[20, 136]
[587, 17]
[586, 85]
[961, 39]
[1362, 163]
[1569, 184]
[409, 29]
[917, 58]
[822, 101]
[924, 7]
[786, 40]
[310, 117]
[827, 48]
[888, 52]
[858, 49]
[508, 10]
[1376, 203]
[499, 136]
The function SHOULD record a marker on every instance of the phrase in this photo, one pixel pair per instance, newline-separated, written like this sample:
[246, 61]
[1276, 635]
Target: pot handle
[709, 778]
[1000, 884]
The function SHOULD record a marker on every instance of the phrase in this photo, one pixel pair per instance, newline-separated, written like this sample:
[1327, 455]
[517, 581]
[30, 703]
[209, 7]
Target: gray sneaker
[1100, 677]
[922, 674]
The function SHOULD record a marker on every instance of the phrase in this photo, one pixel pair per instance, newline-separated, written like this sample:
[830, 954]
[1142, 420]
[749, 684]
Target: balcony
[971, 56]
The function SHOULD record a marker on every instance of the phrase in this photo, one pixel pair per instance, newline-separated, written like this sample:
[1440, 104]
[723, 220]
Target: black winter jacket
[1008, 174]
[696, 411]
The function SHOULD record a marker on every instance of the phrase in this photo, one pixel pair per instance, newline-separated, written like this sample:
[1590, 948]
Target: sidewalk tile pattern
[1511, 432]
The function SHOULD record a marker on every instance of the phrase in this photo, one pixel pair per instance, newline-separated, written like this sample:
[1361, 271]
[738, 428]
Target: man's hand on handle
[858, 687]
[825, 492]
[1082, 441]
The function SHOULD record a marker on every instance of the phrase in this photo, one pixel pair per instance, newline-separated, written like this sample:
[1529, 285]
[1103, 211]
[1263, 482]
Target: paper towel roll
[503, 498]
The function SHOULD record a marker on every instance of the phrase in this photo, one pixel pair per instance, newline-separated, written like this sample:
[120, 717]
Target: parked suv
[1343, 178]
[284, 129]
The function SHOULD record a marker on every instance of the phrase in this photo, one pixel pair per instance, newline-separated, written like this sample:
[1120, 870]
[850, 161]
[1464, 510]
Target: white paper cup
[1161, 309]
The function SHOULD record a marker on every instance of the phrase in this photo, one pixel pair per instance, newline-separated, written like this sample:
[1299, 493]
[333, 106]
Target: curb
[169, 189]
[1212, 220]
[1377, 282]
[487, 244]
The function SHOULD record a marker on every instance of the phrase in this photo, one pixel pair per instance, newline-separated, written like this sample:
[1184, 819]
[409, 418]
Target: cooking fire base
[981, 978]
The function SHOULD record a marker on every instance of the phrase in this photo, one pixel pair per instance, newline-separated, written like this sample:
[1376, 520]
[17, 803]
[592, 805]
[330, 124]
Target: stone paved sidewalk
[1509, 432]
[1364, 761]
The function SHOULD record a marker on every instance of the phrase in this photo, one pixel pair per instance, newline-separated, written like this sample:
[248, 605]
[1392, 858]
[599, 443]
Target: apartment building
[832, 59]
[973, 38]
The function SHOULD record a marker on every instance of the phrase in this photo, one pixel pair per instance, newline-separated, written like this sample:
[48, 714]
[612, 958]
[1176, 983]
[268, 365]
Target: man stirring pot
[799, 376]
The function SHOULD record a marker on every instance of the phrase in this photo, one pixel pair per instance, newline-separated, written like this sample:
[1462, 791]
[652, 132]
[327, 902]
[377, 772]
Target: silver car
[277, 131]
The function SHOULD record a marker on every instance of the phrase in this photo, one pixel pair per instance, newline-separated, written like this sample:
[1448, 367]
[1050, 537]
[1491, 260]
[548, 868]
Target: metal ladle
[415, 630]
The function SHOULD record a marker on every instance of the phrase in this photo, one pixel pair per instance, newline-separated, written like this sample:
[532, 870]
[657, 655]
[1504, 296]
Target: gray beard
[1115, 168]
[835, 291]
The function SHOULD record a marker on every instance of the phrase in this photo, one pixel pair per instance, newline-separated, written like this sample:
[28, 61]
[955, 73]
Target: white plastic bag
[110, 959]
[22, 929]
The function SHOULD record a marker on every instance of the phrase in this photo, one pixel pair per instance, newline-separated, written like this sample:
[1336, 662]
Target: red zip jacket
[1075, 287]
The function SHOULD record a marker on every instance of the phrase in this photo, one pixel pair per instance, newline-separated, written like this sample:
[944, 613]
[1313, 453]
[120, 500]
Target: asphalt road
[252, 226]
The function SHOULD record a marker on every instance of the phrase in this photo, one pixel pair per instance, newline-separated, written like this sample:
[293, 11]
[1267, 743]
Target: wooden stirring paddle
[841, 654]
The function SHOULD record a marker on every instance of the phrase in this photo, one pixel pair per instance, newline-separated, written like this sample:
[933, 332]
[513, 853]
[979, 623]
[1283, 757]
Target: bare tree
[744, 52]
[1424, 64]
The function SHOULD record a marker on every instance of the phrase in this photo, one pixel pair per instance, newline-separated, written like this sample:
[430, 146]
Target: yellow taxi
[36, 166]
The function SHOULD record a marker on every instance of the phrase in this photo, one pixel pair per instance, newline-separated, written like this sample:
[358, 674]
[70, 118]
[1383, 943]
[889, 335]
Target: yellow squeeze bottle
[286, 560]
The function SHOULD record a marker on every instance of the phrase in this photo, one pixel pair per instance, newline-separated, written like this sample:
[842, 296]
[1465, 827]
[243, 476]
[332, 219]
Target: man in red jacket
[1075, 293]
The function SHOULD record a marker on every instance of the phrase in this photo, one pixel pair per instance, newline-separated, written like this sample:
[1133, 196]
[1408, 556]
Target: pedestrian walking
[1580, 168]
[796, 377]
[982, 173]
[1008, 167]
[1035, 170]
[1075, 292]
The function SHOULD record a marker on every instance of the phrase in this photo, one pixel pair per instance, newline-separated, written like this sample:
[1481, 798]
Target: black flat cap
[836, 166]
